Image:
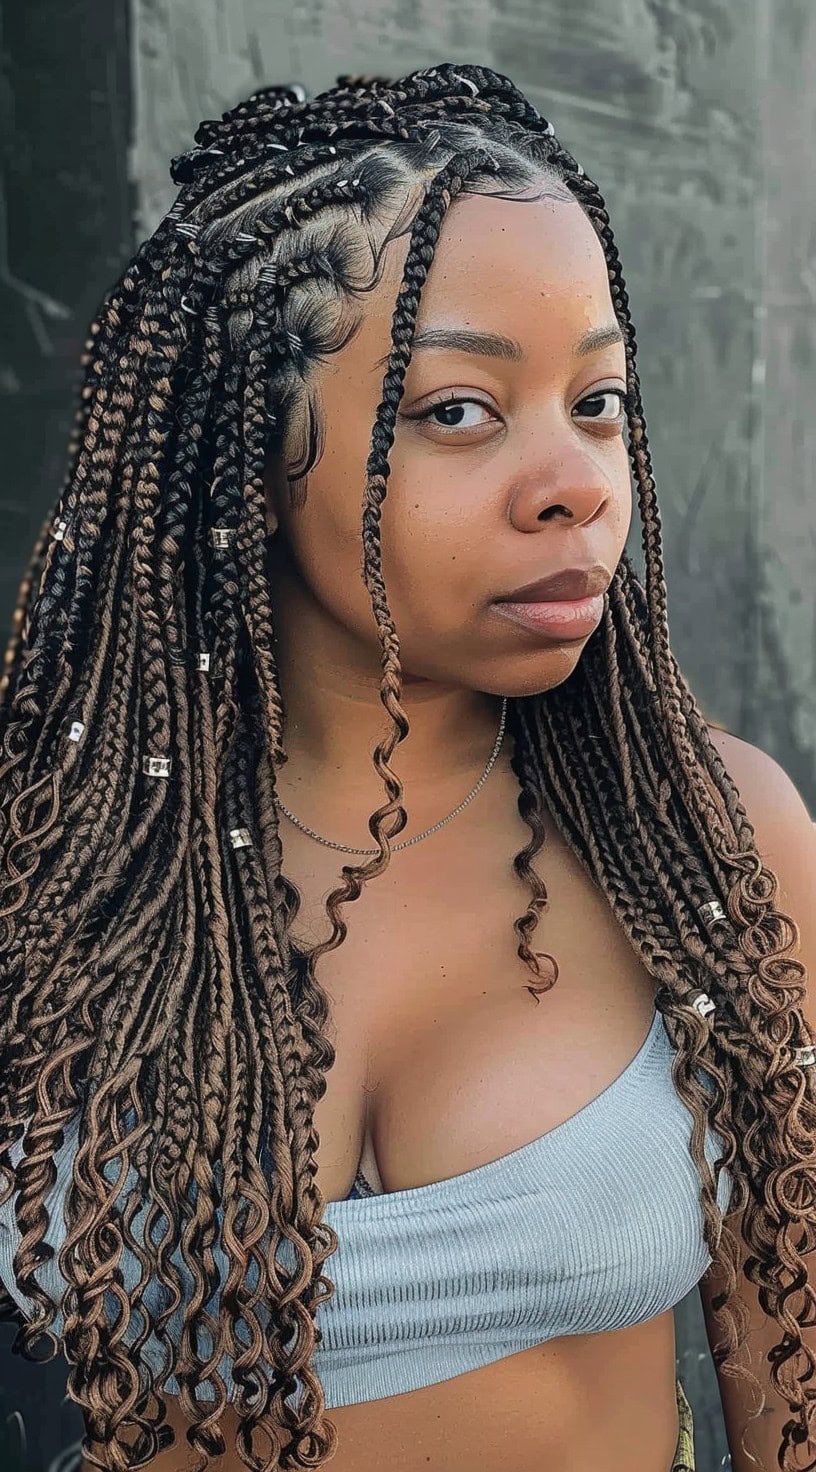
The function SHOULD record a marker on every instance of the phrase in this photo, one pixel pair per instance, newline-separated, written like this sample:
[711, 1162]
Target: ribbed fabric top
[595, 1225]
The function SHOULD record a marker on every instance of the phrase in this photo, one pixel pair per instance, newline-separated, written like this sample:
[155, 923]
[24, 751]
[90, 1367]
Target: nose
[571, 486]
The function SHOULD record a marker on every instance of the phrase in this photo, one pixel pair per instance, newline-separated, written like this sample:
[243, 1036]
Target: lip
[574, 618]
[568, 584]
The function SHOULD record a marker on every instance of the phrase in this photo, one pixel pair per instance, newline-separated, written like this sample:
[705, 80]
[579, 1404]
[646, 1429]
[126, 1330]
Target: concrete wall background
[696, 117]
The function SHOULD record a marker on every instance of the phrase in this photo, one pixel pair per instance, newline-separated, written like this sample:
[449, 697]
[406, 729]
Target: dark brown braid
[152, 996]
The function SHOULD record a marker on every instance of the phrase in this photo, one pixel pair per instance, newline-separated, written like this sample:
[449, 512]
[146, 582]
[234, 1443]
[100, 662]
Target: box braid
[151, 990]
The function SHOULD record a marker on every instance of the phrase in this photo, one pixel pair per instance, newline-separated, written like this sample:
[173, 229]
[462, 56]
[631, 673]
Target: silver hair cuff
[240, 838]
[703, 1004]
[712, 912]
[467, 82]
[191, 658]
[221, 536]
[157, 766]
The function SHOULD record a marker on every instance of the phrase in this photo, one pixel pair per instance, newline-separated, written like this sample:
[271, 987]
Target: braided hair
[151, 991]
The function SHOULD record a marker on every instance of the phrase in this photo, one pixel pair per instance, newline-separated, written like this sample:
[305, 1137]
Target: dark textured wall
[66, 231]
[697, 119]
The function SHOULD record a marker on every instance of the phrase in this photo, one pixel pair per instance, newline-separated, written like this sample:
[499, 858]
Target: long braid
[153, 999]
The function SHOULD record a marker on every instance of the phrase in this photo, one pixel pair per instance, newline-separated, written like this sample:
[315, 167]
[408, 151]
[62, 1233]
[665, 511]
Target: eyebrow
[495, 345]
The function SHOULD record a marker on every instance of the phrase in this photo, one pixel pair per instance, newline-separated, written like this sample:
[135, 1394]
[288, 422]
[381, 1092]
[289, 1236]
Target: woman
[444, 1184]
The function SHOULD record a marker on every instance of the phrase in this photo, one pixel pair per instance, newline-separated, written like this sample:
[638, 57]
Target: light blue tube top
[594, 1226]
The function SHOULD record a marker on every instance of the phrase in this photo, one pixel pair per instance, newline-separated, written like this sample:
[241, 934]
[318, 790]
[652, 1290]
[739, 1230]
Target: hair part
[154, 1001]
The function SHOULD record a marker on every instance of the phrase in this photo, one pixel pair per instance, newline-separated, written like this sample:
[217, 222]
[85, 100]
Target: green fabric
[684, 1451]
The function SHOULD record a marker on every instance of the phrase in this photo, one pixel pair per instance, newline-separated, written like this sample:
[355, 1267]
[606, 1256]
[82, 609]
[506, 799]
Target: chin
[534, 675]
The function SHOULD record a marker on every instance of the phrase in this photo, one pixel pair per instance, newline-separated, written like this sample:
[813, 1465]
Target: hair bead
[77, 731]
[703, 1004]
[805, 1057]
[157, 766]
[240, 838]
[59, 529]
[712, 912]
[468, 83]
[191, 658]
[221, 536]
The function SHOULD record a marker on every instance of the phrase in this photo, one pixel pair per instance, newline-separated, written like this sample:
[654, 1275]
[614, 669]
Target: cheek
[323, 536]
[434, 562]
[439, 526]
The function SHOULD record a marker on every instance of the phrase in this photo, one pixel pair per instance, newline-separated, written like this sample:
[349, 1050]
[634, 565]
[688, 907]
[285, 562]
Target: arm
[786, 838]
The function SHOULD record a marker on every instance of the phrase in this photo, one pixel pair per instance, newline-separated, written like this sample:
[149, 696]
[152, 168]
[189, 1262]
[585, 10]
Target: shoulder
[785, 840]
[775, 807]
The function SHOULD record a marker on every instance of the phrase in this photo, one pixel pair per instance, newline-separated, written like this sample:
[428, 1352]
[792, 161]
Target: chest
[444, 1059]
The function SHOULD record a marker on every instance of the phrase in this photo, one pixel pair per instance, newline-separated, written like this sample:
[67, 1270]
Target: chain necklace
[344, 847]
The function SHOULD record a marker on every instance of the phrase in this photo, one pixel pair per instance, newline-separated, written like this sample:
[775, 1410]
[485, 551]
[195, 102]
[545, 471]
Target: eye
[623, 399]
[453, 411]
[450, 406]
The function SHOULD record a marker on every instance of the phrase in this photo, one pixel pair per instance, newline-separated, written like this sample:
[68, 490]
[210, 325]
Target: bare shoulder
[784, 828]
[774, 804]
[742, 756]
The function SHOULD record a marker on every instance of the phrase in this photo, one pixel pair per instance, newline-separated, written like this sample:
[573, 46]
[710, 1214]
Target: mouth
[563, 620]
[565, 606]
[569, 584]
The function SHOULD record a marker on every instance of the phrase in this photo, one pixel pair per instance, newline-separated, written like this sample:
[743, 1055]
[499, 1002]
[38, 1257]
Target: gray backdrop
[696, 117]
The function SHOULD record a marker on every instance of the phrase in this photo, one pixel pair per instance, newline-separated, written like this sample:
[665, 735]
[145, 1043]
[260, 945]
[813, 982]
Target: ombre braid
[152, 995]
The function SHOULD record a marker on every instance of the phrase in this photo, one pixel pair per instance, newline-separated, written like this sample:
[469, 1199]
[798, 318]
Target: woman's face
[528, 475]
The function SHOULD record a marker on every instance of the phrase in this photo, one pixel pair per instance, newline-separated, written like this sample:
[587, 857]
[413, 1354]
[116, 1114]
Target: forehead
[523, 267]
